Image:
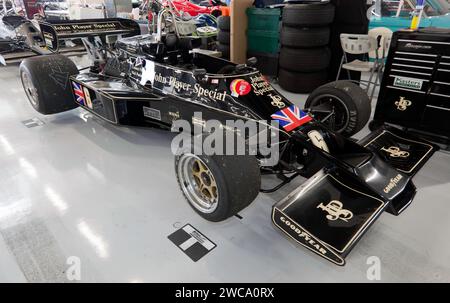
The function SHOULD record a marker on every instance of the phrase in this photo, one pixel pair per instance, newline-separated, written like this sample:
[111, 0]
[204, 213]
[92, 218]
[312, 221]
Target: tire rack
[223, 36]
[305, 55]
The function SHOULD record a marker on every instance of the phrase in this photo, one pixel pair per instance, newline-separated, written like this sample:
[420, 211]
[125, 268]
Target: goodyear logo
[393, 183]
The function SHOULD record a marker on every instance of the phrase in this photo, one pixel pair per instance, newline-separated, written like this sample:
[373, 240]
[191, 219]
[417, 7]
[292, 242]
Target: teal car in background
[397, 14]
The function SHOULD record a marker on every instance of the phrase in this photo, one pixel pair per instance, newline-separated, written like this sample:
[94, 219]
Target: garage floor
[76, 186]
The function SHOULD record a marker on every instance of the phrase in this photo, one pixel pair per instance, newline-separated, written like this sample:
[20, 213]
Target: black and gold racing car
[158, 80]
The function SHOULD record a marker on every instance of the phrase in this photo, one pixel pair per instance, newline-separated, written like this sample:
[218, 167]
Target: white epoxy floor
[79, 187]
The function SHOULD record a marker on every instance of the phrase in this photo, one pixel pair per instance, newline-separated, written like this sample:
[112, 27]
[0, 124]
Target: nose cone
[383, 178]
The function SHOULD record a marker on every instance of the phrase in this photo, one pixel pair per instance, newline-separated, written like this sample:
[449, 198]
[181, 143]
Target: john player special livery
[157, 79]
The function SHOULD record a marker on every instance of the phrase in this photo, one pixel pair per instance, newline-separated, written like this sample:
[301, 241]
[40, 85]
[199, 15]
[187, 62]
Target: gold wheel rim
[198, 183]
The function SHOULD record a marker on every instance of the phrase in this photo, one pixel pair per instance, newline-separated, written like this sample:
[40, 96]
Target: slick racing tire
[305, 60]
[224, 49]
[300, 15]
[341, 105]
[224, 23]
[301, 82]
[223, 37]
[217, 187]
[45, 80]
[305, 37]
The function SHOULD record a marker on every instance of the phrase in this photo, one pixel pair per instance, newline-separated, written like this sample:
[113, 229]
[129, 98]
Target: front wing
[328, 214]
[332, 210]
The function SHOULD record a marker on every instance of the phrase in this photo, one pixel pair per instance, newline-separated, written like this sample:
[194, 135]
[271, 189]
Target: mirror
[252, 61]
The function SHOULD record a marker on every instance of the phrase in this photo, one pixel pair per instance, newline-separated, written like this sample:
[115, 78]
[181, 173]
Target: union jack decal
[291, 117]
[79, 93]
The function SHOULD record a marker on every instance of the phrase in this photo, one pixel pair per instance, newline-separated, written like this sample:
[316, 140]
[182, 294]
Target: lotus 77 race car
[157, 80]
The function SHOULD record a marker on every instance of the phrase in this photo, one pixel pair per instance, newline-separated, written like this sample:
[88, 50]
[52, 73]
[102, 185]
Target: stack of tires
[223, 36]
[350, 18]
[305, 55]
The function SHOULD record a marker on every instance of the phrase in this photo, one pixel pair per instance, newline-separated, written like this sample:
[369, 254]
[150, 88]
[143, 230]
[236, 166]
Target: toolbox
[415, 90]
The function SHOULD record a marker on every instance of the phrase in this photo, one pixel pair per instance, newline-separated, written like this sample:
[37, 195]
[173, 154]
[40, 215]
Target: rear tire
[349, 102]
[46, 83]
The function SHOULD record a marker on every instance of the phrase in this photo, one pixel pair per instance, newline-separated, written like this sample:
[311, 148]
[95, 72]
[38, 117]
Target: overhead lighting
[7, 147]
[55, 199]
[29, 168]
[94, 239]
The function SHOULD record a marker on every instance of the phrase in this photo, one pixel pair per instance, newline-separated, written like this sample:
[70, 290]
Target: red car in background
[195, 9]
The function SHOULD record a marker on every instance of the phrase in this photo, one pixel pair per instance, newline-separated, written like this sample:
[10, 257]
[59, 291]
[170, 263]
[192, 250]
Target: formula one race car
[158, 80]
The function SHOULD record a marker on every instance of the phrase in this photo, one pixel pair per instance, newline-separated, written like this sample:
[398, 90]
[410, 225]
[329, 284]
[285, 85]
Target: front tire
[217, 187]
[341, 105]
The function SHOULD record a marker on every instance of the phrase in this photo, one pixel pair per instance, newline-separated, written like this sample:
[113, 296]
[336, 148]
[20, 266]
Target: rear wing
[55, 31]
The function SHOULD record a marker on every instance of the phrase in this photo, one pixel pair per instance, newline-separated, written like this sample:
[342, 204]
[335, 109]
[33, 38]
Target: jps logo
[277, 101]
[336, 211]
[395, 152]
[402, 104]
